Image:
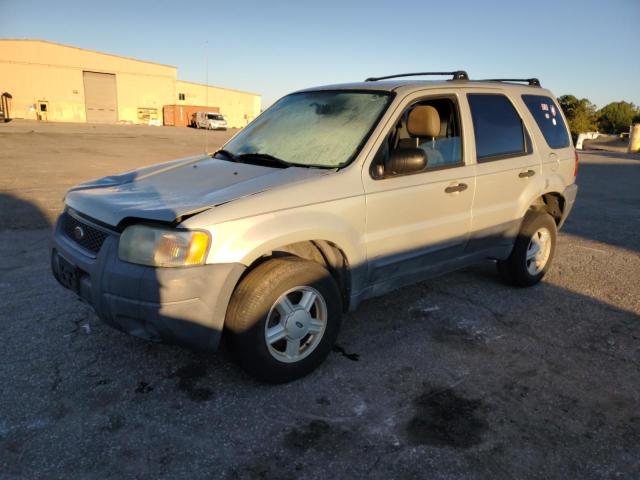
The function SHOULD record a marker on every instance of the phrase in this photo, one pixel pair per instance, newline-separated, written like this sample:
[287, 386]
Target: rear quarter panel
[558, 165]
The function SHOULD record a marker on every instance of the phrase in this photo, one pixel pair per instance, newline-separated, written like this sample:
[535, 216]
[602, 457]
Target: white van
[208, 120]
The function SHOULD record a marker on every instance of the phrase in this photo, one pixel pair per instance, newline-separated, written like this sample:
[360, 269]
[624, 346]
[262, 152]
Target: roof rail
[531, 81]
[457, 75]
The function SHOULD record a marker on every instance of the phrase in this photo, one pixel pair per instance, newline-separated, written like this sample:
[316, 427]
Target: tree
[581, 114]
[616, 117]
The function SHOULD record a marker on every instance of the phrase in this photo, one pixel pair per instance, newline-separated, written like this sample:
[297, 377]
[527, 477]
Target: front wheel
[283, 319]
[533, 251]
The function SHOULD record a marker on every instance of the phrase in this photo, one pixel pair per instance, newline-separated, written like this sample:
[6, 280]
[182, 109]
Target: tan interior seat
[424, 123]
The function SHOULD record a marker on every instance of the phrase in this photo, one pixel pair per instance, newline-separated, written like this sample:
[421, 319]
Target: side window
[499, 130]
[548, 118]
[430, 129]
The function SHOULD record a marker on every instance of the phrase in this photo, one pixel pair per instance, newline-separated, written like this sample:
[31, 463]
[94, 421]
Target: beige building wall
[61, 88]
[239, 108]
[35, 70]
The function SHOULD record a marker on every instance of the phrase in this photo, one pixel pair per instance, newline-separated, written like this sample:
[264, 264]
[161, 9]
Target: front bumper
[186, 306]
[569, 196]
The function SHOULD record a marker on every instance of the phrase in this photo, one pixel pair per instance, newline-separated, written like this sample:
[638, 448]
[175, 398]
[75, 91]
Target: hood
[168, 191]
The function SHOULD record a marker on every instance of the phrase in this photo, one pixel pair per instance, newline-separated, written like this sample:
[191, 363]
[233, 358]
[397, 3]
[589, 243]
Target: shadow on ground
[20, 214]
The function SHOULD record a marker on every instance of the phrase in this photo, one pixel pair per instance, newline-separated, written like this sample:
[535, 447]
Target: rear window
[548, 118]
[498, 128]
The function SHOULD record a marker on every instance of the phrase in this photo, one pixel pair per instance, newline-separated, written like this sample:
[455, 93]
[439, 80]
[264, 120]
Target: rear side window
[498, 128]
[548, 118]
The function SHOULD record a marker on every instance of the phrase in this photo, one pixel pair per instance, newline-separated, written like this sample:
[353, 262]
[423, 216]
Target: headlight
[163, 247]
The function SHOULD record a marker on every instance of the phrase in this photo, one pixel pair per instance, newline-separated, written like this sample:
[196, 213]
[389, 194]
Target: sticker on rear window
[549, 119]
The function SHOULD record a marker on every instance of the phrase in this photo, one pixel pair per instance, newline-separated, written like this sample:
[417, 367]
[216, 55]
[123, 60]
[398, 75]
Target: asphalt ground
[457, 377]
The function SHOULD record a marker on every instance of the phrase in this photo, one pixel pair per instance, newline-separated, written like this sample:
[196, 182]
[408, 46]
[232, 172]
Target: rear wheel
[283, 319]
[533, 251]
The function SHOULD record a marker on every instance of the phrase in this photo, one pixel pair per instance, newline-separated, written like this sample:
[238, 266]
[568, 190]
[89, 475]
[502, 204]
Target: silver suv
[333, 195]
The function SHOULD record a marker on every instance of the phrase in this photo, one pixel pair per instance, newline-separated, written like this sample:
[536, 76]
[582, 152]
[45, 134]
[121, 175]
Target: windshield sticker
[544, 106]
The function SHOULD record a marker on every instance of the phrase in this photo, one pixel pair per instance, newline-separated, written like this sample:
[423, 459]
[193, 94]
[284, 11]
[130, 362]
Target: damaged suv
[333, 195]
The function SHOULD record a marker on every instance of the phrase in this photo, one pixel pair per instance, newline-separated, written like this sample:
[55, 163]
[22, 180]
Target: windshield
[213, 116]
[324, 128]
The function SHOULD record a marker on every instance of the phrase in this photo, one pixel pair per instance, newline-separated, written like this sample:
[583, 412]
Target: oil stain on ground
[317, 435]
[351, 356]
[444, 419]
[188, 377]
[143, 387]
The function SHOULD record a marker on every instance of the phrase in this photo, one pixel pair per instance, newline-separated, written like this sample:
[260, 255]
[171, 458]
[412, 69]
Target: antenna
[206, 89]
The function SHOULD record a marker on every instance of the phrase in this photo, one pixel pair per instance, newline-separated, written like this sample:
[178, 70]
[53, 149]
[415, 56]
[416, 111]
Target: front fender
[245, 240]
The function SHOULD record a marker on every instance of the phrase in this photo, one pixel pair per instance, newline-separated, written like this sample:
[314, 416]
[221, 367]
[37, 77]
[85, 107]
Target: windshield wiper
[262, 159]
[226, 153]
[265, 158]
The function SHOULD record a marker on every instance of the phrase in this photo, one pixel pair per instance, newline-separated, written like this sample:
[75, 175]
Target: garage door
[100, 97]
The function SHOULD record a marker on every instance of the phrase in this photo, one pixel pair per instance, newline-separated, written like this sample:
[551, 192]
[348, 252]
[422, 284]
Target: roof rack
[457, 75]
[531, 81]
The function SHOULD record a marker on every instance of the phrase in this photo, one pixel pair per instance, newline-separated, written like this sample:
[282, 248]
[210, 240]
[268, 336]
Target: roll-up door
[100, 97]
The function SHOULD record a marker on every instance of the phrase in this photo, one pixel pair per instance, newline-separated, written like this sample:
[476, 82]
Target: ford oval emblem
[78, 233]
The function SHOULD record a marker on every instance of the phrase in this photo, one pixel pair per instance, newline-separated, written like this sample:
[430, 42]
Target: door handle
[528, 173]
[456, 188]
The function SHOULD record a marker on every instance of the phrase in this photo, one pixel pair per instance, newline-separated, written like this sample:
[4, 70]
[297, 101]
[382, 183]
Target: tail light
[575, 169]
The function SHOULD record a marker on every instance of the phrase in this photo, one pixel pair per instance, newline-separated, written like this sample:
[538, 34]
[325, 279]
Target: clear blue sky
[587, 48]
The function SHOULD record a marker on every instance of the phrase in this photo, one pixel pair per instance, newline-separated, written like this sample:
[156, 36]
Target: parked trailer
[180, 115]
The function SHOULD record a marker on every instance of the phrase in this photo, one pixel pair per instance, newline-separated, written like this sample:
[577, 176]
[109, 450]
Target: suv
[333, 195]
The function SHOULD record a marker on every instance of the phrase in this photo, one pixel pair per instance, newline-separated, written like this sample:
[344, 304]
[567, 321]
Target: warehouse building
[52, 82]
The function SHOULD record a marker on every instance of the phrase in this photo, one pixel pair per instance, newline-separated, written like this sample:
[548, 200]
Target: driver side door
[418, 223]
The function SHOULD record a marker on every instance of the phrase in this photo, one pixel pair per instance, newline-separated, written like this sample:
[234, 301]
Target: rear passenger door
[507, 171]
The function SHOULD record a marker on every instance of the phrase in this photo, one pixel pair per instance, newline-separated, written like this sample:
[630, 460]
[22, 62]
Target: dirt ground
[457, 377]
[40, 161]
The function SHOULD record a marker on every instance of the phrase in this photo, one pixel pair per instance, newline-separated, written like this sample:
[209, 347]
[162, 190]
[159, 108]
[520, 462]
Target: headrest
[424, 121]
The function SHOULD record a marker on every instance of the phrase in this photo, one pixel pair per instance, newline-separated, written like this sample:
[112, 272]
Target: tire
[521, 271]
[256, 306]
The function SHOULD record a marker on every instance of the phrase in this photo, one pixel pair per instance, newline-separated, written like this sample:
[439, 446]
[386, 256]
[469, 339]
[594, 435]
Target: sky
[581, 47]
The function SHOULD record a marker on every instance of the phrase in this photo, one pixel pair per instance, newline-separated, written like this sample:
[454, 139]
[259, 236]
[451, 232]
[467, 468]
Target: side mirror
[405, 160]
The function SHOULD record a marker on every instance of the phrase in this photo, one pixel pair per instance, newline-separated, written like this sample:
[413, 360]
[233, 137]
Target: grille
[92, 238]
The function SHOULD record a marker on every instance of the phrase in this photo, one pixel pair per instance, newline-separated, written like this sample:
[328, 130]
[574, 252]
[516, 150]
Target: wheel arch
[323, 252]
[551, 202]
